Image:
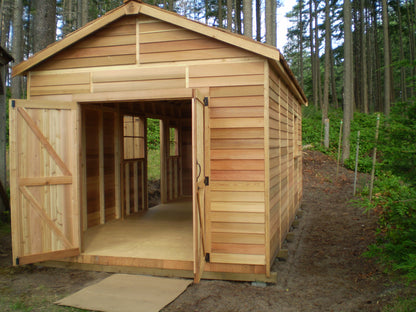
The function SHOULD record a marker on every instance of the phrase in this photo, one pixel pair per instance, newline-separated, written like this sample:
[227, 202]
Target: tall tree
[325, 103]
[6, 10]
[238, 26]
[17, 50]
[44, 23]
[269, 22]
[220, 14]
[275, 4]
[248, 18]
[230, 15]
[317, 75]
[348, 81]
[301, 42]
[387, 62]
[258, 20]
[363, 60]
[312, 56]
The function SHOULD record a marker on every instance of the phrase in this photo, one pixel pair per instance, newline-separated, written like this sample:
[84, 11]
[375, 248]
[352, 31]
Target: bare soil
[324, 270]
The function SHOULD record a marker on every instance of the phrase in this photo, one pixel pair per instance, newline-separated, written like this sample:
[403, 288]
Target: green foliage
[153, 164]
[402, 305]
[398, 142]
[153, 134]
[395, 247]
[153, 149]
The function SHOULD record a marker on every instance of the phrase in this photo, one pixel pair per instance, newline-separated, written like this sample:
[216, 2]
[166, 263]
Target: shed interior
[116, 218]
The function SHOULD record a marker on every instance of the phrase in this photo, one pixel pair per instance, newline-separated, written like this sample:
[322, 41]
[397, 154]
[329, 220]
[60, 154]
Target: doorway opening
[127, 146]
[153, 161]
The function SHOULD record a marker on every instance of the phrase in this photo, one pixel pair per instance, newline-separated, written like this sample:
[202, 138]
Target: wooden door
[198, 183]
[45, 204]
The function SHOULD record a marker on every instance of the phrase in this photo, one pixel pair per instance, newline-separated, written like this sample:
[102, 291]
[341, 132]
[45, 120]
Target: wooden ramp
[163, 232]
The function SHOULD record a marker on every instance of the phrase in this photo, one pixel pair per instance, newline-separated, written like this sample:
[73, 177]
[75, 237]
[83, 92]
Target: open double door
[45, 180]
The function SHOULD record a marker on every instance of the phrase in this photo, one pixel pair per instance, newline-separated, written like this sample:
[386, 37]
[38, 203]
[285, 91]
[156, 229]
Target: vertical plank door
[44, 169]
[198, 186]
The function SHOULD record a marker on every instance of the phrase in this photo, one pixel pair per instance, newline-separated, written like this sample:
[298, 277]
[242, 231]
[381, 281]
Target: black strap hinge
[13, 103]
[207, 257]
[206, 181]
[206, 101]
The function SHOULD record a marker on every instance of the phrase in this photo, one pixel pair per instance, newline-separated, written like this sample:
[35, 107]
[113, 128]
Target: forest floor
[324, 270]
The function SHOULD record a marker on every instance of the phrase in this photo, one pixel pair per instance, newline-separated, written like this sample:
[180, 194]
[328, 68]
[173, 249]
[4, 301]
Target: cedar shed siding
[254, 125]
[167, 60]
[285, 159]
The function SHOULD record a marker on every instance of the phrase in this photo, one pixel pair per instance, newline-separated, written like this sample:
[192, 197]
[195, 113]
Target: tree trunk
[325, 103]
[68, 17]
[3, 104]
[333, 81]
[317, 60]
[258, 20]
[387, 62]
[5, 22]
[230, 15]
[348, 81]
[238, 16]
[411, 21]
[356, 40]
[220, 14]
[377, 84]
[403, 89]
[248, 18]
[301, 43]
[274, 8]
[269, 22]
[44, 23]
[364, 78]
[84, 12]
[313, 63]
[17, 50]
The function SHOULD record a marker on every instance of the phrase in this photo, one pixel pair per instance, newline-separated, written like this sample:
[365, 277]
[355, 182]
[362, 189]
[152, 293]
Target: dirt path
[324, 270]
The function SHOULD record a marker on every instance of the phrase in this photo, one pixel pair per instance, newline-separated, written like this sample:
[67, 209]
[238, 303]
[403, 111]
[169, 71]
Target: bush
[153, 134]
[395, 246]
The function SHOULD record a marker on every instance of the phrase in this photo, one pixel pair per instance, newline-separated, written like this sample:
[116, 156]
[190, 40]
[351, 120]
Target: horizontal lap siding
[285, 159]
[275, 164]
[139, 79]
[113, 45]
[163, 42]
[235, 79]
[237, 210]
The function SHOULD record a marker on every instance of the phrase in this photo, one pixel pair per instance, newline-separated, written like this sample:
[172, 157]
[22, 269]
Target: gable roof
[135, 7]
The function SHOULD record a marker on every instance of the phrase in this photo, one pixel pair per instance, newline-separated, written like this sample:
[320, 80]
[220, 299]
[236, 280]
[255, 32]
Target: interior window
[133, 137]
[173, 142]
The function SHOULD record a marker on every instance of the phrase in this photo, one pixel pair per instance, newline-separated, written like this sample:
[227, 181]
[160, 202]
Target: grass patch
[153, 164]
[402, 305]
[38, 302]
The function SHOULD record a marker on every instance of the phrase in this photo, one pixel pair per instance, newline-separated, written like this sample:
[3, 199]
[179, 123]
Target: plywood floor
[163, 232]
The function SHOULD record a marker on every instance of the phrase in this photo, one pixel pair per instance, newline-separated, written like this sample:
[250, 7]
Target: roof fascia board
[71, 39]
[222, 35]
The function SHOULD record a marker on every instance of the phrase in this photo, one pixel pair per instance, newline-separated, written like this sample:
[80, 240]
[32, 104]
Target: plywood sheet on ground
[127, 293]
[162, 232]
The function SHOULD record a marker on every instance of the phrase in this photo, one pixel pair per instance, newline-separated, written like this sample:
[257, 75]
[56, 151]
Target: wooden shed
[231, 162]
